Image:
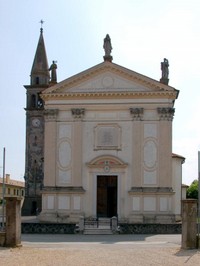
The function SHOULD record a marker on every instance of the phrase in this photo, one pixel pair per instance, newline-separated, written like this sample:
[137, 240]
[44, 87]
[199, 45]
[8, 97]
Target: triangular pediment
[107, 77]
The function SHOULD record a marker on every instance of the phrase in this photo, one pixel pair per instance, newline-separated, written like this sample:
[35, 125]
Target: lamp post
[198, 215]
[35, 187]
[3, 188]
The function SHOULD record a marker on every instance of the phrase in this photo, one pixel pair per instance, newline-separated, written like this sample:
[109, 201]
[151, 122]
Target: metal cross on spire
[41, 22]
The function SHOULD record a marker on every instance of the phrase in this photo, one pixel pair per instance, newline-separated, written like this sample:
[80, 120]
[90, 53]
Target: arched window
[37, 80]
[33, 100]
[39, 102]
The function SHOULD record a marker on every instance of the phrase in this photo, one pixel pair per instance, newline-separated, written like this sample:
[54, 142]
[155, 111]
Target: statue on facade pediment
[107, 45]
[108, 48]
[165, 68]
[53, 68]
[165, 71]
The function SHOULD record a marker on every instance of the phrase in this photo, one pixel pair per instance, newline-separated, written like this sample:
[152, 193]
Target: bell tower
[34, 153]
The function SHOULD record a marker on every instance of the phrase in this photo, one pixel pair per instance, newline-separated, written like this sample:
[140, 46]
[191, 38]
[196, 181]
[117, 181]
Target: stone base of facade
[59, 217]
[178, 218]
[152, 219]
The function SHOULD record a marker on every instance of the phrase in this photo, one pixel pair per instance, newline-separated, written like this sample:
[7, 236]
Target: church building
[99, 144]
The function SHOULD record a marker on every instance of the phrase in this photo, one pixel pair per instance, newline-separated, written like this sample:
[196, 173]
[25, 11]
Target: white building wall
[177, 184]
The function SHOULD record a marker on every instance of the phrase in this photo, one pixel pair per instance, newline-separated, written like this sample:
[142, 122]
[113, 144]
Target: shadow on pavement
[82, 238]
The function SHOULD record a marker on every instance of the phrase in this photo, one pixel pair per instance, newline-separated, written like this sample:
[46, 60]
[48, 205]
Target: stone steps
[97, 231]
[103, 227]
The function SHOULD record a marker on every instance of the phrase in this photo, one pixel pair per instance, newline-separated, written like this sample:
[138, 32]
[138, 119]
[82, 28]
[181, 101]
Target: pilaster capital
[78, 113]
[137, 113]
[50, 114]
[166, 113]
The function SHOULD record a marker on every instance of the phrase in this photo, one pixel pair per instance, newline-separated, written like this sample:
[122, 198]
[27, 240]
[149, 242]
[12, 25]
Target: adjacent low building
[12, 187]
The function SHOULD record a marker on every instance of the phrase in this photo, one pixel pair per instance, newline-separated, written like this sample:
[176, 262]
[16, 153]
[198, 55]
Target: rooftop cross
[41, 22]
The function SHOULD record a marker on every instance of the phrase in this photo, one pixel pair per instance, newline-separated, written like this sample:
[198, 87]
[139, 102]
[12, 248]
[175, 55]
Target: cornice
[66, 189]
[110, 95]
[151, 190]
[38, 86]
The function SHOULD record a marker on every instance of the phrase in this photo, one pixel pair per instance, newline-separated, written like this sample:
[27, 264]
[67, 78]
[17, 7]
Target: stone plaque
[63, 202]
[50, 202]
[77, 203]
[107, 137]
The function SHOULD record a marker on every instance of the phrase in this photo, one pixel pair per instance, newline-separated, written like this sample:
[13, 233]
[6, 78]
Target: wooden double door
[106, 196]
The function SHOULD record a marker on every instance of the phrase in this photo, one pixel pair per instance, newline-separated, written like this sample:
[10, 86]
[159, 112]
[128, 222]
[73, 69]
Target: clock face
[36, 122]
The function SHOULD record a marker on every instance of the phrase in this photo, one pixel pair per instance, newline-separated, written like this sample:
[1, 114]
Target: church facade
[99, 144]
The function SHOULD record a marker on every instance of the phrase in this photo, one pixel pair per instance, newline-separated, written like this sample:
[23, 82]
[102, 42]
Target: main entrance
[106, 196]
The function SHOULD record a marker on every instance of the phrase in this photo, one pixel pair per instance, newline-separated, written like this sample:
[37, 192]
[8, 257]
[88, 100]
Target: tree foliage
[192, 191]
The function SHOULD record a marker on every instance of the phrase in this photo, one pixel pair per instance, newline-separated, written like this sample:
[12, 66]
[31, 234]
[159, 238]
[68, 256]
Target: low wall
[42, 228]
[2, 238]
[150, 228]
[45, 228]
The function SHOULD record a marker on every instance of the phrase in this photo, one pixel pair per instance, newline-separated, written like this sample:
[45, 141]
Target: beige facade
[108, 148]
[12, 187]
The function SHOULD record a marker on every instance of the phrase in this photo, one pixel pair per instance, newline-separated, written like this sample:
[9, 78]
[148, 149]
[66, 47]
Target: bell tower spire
[34, 154]
[40, 69]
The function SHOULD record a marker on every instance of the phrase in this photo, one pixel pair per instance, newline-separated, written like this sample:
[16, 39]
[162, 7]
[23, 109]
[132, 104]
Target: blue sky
[142, 32]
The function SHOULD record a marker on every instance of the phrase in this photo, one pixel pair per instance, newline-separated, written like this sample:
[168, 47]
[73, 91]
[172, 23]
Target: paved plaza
[99, 250]
[65, 240]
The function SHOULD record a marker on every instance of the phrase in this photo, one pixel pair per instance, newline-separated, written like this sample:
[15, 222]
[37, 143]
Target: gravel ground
[94, 251]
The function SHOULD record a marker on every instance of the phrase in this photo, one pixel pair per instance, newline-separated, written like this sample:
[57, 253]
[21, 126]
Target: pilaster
[137, 115]
[165, 146]
[50, 147]
[78, 114]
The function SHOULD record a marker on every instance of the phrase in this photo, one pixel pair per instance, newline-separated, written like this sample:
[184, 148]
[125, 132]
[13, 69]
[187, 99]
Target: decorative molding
[166, 113]
[50, 114]
[78, 112]
[68, 189]
[107, 163]
[151, 190]
[137, 113]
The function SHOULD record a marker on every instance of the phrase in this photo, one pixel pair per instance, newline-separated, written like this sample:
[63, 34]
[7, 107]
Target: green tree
[192, 191]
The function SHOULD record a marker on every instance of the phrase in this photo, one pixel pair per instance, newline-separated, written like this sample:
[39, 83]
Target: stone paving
[82, 250]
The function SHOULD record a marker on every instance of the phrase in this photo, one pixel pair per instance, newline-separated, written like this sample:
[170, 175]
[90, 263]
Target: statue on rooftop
[53, 68]
[165, 71]
[107, 45]
[165, 68]
[108, 48]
